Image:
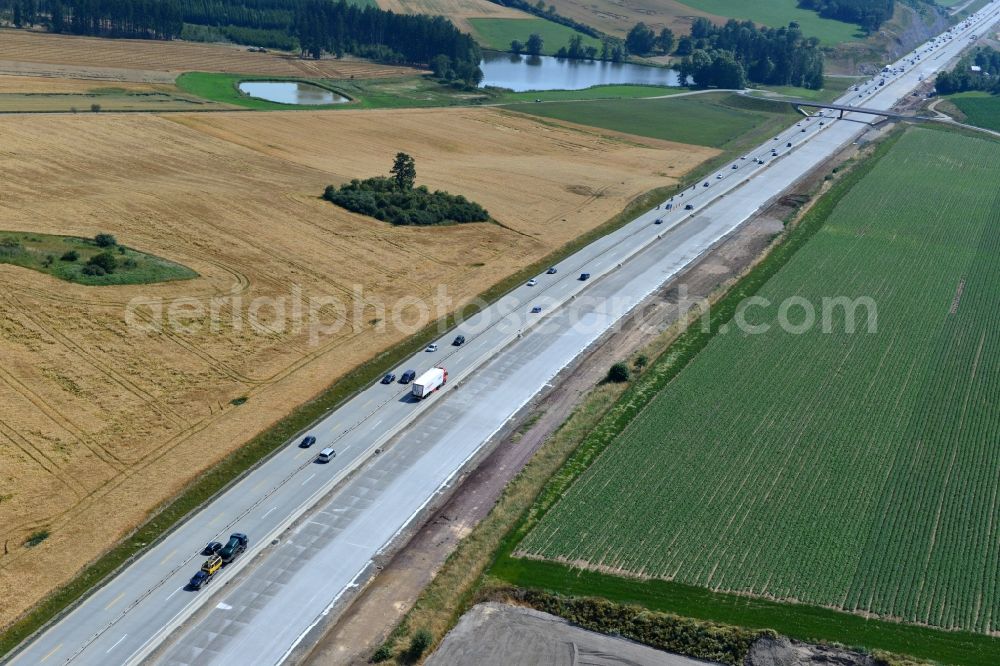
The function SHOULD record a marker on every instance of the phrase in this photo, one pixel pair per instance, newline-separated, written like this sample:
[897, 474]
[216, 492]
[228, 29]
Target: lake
[521, 73]
[291, 92]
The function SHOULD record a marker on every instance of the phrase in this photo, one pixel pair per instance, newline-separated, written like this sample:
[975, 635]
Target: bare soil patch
[102, 423]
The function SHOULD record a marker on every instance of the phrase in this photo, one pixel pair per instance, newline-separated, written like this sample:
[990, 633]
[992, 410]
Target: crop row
[850, 469]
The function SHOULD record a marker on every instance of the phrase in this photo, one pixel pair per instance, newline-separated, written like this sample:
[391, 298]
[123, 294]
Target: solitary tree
[404, 171]
[640, 39]
[516, 47]
[534, 45]
[665, 40]
[105, 240]
[618, 373]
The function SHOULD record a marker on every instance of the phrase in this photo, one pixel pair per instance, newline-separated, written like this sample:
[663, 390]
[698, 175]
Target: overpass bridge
[842, 108]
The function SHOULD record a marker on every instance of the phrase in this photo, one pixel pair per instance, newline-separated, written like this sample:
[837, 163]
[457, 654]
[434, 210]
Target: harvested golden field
[52, 85]
[455, 10]
[617, 17]
[108, 410]
[148, 60]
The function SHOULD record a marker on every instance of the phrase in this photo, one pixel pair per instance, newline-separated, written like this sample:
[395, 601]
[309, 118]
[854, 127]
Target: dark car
[689, 207]
[788, 145]
[236, 545]
[659, 220]
[705, 184]
[584, 276]
[389, 378]
[199, 579]
[306, 442]
[536, 309]
[551, 271]
[213, 546]
[458, 341]
[407, 376]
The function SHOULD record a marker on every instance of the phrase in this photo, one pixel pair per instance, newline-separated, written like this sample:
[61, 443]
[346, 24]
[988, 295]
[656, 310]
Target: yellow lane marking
[52, 652]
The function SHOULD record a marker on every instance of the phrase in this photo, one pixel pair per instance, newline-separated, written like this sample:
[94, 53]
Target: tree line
[315, 26]
[962, 78]
[869, 14]
[325, 26]
[728, 56]
[739, 52]
[147, 19]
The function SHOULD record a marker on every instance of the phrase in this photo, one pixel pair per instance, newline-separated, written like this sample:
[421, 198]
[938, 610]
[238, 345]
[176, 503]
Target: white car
[432, 348]
[532, 282]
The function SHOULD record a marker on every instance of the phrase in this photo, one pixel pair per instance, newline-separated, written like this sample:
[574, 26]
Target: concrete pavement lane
[363, 516]
[122, 621]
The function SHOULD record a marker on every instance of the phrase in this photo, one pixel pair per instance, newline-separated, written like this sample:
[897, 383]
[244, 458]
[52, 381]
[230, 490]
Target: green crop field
[857, 471]
[720, 120]
[497, 33]
[778, 13]
[980, 108]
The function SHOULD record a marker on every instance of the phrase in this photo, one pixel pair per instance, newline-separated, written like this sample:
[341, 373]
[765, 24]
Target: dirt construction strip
[393, 591]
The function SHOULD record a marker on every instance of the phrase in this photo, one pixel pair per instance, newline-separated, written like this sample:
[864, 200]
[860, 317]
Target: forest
[738, 52]
[963, 77]
[869, 14]
[315, 26]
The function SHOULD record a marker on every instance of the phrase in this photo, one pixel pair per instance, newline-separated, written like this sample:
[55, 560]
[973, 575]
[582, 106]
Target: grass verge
[52, 254]
[798, 621]
[578, 442]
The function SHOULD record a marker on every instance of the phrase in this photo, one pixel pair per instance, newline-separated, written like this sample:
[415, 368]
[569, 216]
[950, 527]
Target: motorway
[510, 355]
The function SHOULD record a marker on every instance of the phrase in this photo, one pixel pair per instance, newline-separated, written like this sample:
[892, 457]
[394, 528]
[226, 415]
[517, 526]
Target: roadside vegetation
[163, 518]
[710, 641]
[581, 440]
[924, 404]
[978, 70]
[95, 262]
[833, 87]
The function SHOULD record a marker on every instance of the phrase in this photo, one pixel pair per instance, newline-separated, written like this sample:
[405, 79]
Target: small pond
[291, 92]
[520, 73]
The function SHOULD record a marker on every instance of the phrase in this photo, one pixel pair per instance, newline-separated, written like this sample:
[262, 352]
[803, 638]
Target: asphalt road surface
[510, 354]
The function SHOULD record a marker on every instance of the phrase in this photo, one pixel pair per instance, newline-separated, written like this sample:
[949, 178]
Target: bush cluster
[383, 199]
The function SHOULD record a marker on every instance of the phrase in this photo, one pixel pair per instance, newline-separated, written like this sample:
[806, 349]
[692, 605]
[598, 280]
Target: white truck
[429, 382]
